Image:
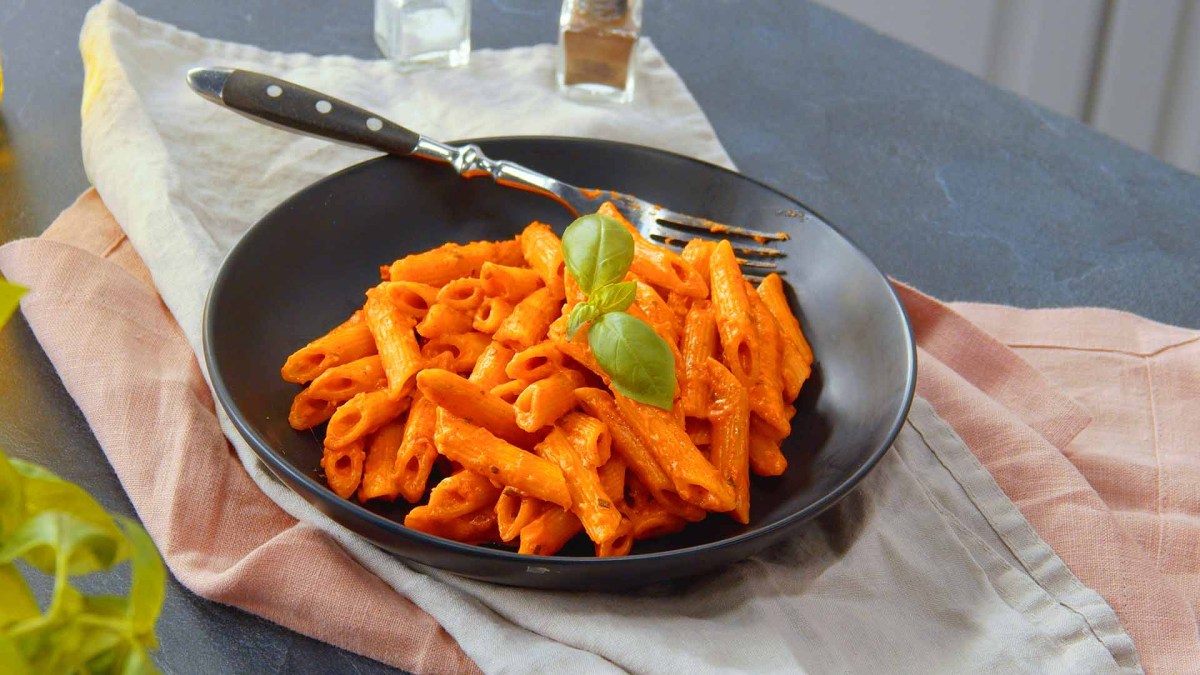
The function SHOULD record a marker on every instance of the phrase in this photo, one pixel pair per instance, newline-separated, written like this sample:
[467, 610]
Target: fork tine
[679, 220]
[757, 264]
[760, 251]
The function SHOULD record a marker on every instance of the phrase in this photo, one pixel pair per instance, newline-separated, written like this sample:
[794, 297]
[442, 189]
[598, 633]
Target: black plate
[305, 266]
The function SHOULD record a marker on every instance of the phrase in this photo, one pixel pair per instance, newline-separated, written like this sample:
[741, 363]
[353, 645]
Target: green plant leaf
[46, 492]
[10, 296]
[19, 602]
[51, 536]
[11, 658]
[148, 588]
[614, 297]
[597, 251]
[583, 313]
[638, 361]
[138, 662]
[12, 498]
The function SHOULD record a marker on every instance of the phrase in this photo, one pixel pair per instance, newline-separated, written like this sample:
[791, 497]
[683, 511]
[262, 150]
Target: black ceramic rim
[278, 465]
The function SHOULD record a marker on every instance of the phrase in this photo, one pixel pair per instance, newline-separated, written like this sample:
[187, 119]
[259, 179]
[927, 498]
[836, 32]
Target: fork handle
[291, 107]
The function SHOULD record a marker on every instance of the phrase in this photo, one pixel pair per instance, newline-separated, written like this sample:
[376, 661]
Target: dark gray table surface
[967, 192]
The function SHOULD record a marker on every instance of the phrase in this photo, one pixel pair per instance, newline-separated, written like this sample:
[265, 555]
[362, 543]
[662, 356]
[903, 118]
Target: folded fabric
[928, 558]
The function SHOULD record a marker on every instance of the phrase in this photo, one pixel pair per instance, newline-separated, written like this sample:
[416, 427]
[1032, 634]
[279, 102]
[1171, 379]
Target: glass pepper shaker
[597, 49]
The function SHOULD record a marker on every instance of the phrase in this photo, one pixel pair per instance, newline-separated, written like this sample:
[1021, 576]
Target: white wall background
[1130, 68]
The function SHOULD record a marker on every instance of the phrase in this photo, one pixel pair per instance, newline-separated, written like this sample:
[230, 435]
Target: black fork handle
[292, 107]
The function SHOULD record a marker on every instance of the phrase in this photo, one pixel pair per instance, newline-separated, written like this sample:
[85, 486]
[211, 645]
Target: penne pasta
[443, 320]
[648, 517]
[410, 298]
[510, 391]
[461, 507]
[657, 313]
[464, 398]
[731, 435]
[462, 294]
[657, 265]
[530, 320]
[308, 411]
[619, 544]
[542, 249]
[549, 532]
[343, 467]
[489, 370]
[594, 508]
[633, 451]
[491, 314]
[478, 450]
[731, 307]
[542, 402]
[766, 458]
[341, 383]
[417, 452]
[348, 342]
[379, 467]
[699, 345]
[514, 512]
[795, 352]
[453, 261]
[589, 436]
[397, 343]
[461, 351]
[510, 283]
[470, 341]
[697, 253]
[612, 479]
[534, 363]
[766, 391]
[696, 481]
[362, 415]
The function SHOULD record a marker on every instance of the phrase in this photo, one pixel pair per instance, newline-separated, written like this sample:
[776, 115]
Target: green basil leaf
[12, 498]
[138, 663]
[10, 296]
[614, 297]
[638, 361]
[19, 602]
[12, 658]
[148, 587]
[583, 313]
[597, 251]
[45, 492]
[42, 539]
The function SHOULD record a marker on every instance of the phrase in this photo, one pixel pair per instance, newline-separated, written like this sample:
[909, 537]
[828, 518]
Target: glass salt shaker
[598, 48]
[424, 33]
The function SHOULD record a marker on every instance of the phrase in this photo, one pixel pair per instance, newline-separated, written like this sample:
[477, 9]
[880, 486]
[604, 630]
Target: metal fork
[289, 106]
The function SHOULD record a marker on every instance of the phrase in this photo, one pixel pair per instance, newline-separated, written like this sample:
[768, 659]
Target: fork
[291, 107]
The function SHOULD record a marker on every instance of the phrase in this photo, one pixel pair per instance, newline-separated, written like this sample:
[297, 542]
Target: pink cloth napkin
[1082, 416]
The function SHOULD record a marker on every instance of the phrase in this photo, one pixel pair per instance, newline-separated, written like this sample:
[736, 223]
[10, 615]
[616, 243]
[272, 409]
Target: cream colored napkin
[923, 568]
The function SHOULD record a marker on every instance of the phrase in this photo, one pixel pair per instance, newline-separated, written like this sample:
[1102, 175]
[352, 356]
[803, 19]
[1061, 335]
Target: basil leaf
[583, 313]
[597, 250]
[12, 658]
[12, 498]
[51, 536]
[10, 295]
[614, 297]
[638, 361]
[147, 589]
[19, 602]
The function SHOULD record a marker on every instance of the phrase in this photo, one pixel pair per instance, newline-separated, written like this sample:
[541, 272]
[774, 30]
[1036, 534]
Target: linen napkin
[962, 590]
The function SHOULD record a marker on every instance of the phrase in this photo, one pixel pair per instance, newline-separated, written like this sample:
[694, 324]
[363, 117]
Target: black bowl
[305, 266]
